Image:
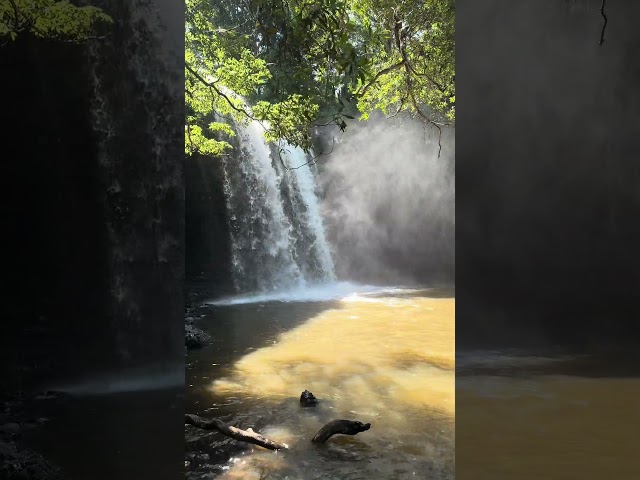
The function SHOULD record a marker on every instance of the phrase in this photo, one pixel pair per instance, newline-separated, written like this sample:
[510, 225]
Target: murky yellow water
[389, 361]
[382, 349]
[551, 427]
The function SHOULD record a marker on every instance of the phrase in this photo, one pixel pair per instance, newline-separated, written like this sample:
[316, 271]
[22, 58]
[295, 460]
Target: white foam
[317, 293]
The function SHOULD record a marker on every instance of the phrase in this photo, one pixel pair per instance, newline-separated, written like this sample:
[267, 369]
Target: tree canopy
[294, 64]
[50, 19]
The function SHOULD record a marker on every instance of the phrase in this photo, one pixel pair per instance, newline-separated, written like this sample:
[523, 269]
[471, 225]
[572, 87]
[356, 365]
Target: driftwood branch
[248, 436]
[344, 427]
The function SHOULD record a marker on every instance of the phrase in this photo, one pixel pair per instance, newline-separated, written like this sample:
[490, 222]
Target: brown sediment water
[386, 359]
[546, 419]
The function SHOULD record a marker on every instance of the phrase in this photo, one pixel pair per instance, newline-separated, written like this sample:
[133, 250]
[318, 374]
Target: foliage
[51, 19]
[223, 66]
[304, 62]
[411, 47]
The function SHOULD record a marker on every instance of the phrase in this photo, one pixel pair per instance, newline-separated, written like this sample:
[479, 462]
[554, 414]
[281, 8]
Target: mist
[388, 202]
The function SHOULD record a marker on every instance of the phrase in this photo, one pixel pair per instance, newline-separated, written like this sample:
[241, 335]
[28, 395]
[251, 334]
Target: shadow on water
[236, 331]
[111, 426]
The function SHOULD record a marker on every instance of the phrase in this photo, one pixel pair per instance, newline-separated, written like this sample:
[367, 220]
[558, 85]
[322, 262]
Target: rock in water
[307, 399]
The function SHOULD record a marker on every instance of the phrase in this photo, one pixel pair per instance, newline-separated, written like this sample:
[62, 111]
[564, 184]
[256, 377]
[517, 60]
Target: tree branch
[428, 121]
[215, 89]
[604, 25]
[313, 161]
[409, 70]
[248, 436]
[399, 108]
[382, 72]
[402, 49]
[15, 14]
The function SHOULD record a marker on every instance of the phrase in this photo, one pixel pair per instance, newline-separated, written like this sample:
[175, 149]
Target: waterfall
[300, 179]
[277, 234]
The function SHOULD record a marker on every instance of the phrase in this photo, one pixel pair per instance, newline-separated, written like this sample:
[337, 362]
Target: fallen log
[248, 435]
[344, 427]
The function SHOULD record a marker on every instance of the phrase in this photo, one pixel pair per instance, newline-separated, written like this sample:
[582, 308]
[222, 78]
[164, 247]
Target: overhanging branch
[405, 58]
[212, 86]
[604, 25]
[382, 72]
[15, 14]
[313, 161]
[428, 121]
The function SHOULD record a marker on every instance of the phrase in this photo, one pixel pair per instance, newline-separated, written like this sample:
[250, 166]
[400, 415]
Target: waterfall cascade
[277, 234]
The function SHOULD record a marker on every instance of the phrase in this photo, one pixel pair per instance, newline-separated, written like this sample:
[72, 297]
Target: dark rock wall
[141, 155]
[92, 202]
[207, 237]
[55, 250]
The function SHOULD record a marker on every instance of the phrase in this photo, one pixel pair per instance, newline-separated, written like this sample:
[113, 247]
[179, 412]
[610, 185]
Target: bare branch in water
[248, 436]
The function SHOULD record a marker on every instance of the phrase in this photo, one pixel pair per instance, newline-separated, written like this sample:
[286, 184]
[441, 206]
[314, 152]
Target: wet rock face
[94, 204]
[207, 231]
[137, 105]
[50, 196]
[194, 336]
[95, 197]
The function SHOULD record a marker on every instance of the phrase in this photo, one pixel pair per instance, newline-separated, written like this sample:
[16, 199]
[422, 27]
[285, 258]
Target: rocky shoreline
[17, 461]
[194, 336]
